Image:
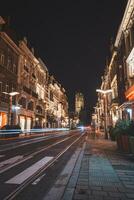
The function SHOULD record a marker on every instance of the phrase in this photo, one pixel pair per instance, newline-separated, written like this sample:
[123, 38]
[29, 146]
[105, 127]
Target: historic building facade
[27, 86]
[119, 76]
[57, 112]
[79, 102]
[9, 61]
[39, 101]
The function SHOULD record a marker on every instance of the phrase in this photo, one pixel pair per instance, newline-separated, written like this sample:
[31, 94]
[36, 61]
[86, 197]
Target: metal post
[105, 117]
[10, 110]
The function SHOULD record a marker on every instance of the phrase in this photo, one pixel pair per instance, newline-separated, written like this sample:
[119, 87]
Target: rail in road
[13, 158]
[18, 142]
[19, 172]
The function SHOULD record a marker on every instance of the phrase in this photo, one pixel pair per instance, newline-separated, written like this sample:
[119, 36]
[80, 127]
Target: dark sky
[72, 37]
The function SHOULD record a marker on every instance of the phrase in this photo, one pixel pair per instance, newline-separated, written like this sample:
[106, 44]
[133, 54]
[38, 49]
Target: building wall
[118, 74]
[41, 101]
[9, 58]
[79, 102]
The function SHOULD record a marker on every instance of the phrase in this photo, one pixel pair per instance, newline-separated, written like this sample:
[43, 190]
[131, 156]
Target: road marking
[20, 178]
[57, 190]
[2, 156]
[38, 180]
[10, 160]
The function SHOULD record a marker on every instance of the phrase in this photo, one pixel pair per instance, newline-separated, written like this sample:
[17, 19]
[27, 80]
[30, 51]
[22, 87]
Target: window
[22, 102]
[26, 68]
[7, 88]
[2, 57]
[13, 87]
[14, 68]
[132, 35]
[51, 96]
[130, 63]
[0, 86]
[9, 63]
[30, 105]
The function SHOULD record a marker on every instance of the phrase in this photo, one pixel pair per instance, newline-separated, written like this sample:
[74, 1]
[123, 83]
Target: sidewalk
[96, 172]
[102, 173]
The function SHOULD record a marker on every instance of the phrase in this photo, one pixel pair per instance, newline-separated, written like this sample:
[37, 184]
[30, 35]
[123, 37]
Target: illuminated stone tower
[79, 102]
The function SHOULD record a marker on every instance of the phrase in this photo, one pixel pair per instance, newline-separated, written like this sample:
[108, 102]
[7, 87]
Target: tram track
[33, 154]
[42, 170]
[18, 144]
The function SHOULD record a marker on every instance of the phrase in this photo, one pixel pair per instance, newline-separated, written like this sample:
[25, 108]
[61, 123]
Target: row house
[119, 73]
[39, 101]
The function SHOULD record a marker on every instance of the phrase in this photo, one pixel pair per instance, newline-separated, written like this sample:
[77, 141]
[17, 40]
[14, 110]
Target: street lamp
[11, 94]
[105, 92]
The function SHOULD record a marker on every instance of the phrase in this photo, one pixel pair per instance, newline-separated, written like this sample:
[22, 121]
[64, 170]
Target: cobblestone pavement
[102, 173]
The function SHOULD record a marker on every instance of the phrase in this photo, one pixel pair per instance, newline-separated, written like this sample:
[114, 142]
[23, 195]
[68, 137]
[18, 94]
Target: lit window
[130, 63]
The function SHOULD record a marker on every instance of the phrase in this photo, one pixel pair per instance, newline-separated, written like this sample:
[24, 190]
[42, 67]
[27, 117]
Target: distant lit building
[79, 102]
[57, 113]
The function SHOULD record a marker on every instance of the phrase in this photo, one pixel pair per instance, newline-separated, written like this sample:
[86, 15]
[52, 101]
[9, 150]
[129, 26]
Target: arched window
[39, 109]
[30, 105]
[22, 102]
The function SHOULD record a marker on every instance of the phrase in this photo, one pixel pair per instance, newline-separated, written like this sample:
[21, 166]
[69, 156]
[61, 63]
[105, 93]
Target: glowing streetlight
[105, 92]
[11, 94]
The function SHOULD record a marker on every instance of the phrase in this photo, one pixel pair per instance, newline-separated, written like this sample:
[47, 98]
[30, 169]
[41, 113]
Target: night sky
[71, 37]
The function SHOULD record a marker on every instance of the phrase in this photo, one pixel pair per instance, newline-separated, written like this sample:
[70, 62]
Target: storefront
[22, 122]
[114, 115]
[129, 106]
[3, 119]
[3, 114]
[25, 122]
[28, 123]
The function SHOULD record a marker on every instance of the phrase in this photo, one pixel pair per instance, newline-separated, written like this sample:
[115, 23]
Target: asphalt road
[29, 166]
